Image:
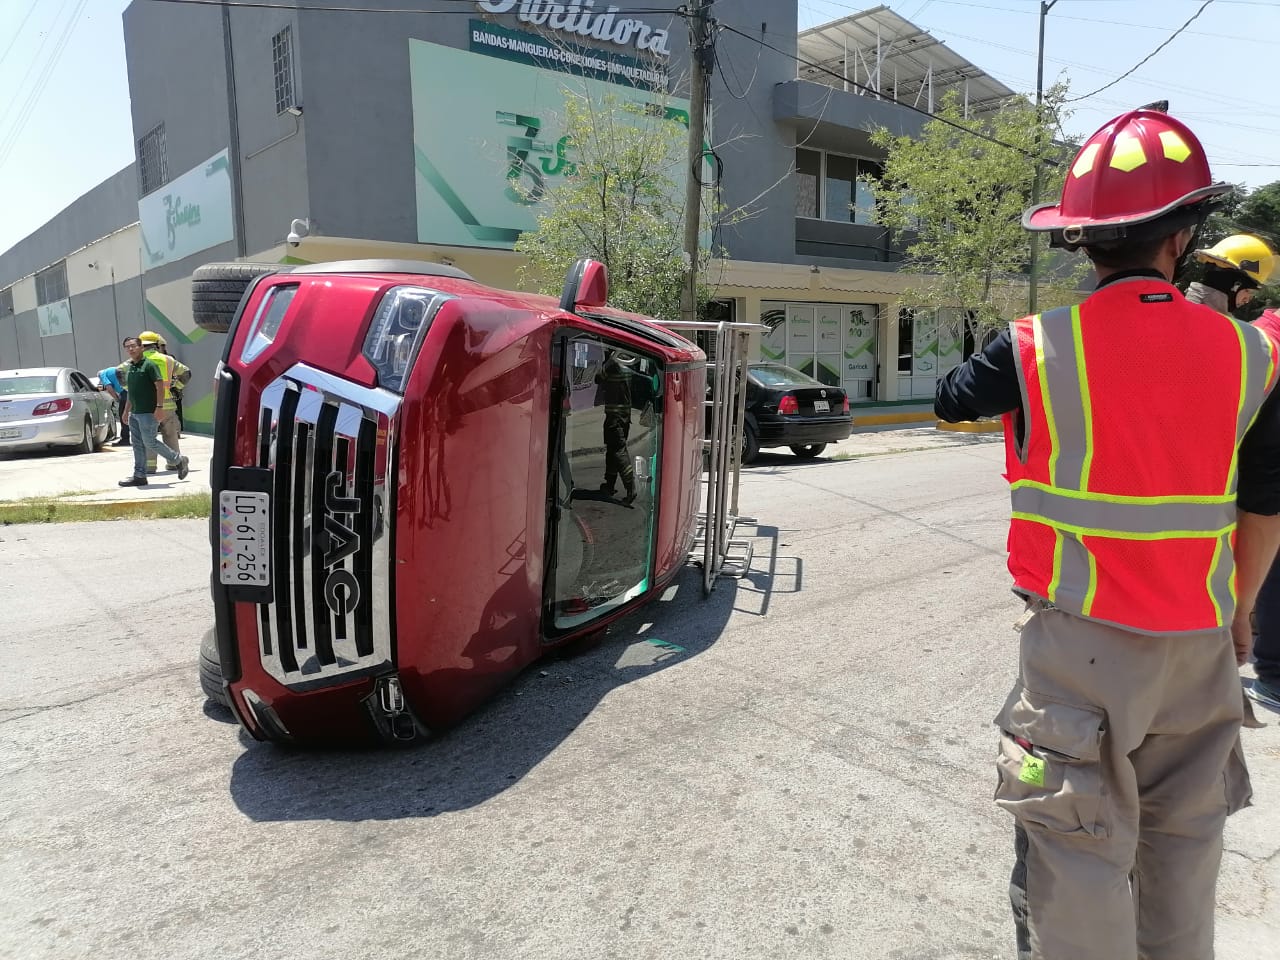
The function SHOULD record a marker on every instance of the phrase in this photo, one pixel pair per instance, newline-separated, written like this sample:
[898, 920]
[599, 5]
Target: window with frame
[51, 284]
[6, 302]
[282, 68]
[832, 186]
[153, 162]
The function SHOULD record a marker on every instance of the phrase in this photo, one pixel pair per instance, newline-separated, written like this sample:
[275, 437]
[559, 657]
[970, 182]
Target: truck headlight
[398, 329]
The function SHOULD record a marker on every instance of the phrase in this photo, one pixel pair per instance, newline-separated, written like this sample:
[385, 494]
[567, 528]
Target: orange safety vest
[1123, 486]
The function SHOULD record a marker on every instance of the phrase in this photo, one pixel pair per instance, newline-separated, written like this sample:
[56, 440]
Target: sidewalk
[95, 476]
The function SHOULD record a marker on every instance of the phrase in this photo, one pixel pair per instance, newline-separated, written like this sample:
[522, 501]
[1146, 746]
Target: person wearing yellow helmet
[1234, 269]
[174, 372]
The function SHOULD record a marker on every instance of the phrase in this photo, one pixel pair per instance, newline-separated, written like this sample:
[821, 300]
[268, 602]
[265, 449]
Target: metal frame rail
[721, 554]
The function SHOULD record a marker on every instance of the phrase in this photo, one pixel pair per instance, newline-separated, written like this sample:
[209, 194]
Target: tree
[957, 200]
[622, 204]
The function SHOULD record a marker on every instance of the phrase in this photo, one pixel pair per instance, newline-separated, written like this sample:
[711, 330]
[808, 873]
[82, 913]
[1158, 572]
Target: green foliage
[622, 205]
[957, 201]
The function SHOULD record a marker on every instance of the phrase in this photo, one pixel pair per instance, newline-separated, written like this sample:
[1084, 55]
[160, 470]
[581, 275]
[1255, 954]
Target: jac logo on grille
[341, 589]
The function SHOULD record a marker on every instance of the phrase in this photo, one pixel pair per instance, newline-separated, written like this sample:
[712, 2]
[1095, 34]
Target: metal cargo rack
[716, 549]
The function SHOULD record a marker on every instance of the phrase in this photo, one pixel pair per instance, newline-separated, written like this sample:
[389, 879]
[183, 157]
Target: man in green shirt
[146, 385]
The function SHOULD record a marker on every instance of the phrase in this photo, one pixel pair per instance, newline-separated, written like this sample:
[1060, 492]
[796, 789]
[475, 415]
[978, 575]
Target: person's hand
[160, 415]
[124, 418]
[1242, 637]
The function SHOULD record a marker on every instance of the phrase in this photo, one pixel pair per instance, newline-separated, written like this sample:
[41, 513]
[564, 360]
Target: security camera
[297, 230]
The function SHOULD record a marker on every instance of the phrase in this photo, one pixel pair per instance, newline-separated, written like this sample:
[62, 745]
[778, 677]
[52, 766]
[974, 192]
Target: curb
[972, 426]
[104, 509]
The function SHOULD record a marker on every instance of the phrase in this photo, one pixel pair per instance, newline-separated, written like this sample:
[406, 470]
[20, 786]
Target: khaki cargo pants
[169, 432]
[1133, 767]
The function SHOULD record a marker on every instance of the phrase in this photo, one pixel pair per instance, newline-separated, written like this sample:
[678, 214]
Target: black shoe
[134, 482]
[629, 499]
[122, 443]
[606, 489]
[184, 467]
[171, 467]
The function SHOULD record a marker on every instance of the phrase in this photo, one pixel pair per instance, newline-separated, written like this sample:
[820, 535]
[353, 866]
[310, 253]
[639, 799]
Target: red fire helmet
[1137, 168]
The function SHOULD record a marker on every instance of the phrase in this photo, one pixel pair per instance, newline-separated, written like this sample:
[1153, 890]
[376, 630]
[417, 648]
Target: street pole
[1045, 7]
[700, 69]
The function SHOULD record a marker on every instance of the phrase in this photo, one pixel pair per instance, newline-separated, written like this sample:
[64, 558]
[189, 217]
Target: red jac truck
[410, 487]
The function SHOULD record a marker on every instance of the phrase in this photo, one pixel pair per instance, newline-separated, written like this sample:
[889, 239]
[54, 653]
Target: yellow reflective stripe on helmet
[1086, 407]
[1138, 535]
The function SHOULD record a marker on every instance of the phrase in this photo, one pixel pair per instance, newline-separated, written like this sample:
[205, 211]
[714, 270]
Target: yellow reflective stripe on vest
[1086, 407]
[1146, 536]
[1120, 517]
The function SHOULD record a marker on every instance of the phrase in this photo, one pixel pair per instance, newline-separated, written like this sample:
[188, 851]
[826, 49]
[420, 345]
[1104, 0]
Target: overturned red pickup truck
[422, 484]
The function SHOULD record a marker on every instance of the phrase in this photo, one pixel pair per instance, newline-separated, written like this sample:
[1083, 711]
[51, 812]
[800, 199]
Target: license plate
[244, 534]
[821, 406]
[10, 434]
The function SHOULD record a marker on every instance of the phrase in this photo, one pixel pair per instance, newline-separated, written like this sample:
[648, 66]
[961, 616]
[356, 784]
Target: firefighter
[1143, 520]
[1235, 268]
[153, 347]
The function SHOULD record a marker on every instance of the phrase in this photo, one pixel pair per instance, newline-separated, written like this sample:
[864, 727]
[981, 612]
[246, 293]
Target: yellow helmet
[1248, 254]
[149, 336]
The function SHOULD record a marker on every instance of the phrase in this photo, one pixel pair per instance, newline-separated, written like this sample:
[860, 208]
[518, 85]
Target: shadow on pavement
[496, 747]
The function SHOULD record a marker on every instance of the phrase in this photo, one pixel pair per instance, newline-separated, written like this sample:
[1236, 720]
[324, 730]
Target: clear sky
[64, 95]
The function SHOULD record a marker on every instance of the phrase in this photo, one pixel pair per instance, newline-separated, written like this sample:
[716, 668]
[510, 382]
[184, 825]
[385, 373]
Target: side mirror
[587, 285]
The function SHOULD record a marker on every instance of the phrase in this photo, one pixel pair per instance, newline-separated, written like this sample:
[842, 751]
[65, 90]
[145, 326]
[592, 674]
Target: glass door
[606, 446]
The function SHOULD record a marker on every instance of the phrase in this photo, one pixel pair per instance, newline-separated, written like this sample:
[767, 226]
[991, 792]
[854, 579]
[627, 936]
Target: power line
[1167, 41]
[863, 87]
[30, 11]
[1097, 21]
[469, 11]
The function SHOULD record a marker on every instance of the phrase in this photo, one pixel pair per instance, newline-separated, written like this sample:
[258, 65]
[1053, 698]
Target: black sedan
[787, 408]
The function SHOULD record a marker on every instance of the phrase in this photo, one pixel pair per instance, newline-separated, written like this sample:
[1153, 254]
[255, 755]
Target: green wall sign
[189, 214]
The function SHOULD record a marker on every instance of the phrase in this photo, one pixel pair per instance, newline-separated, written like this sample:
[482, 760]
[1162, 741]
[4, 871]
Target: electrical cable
[1167, 41]
[468, 11]
[30, 11]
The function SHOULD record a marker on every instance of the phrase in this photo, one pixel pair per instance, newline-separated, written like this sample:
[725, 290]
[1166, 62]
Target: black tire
[87, 443]
[216, 291]
[750, 444]
[808, 451]
[211, 671]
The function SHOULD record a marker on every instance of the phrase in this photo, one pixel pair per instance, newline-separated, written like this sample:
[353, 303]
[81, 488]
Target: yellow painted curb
[972, 426]
[884, 419]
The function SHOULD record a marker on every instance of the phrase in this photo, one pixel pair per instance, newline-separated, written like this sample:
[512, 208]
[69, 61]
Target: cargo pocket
[1049, 765]
[1239, 787]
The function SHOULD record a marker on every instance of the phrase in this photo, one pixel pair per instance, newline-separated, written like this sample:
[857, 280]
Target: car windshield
[777, 375]
[12, 386]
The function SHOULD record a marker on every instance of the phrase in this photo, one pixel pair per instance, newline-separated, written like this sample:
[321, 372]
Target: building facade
[303, 134]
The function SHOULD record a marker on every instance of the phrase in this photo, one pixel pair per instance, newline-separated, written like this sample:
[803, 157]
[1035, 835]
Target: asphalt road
[800, 766]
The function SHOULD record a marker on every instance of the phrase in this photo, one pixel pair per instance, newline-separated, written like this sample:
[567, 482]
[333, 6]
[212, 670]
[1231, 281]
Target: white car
[45, 407]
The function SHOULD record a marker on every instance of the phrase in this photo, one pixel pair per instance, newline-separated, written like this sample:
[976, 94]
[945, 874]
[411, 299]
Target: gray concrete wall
[94, 342]
[106, 208]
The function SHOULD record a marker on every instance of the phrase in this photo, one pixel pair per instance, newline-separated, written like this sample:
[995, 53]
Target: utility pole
[1045, 7]
[700, 59]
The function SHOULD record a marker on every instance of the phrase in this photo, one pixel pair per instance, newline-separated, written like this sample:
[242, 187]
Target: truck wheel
[216, 291]
[211, 671]
[807, 451]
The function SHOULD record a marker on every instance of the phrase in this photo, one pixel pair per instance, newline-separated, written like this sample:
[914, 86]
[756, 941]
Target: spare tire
[216, 291]
[211, 671]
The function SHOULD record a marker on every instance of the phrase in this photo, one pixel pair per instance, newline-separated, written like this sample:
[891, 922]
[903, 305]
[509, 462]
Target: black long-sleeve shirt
[986, 385]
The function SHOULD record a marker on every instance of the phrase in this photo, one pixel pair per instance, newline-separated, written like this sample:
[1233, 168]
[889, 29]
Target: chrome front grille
[330, 446]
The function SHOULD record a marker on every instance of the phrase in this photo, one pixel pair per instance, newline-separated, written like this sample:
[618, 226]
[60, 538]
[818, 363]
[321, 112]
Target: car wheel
[86, 444]
[216, 291]
[807, 451]
[750, 444]
[211, 671]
